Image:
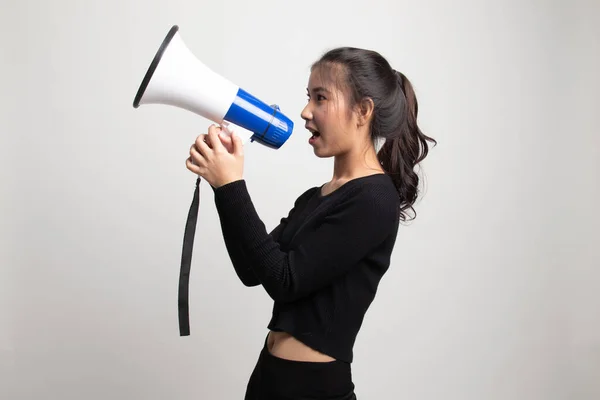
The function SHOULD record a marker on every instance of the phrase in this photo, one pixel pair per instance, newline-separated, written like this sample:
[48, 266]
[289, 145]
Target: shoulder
[377, 190]
[374, 197]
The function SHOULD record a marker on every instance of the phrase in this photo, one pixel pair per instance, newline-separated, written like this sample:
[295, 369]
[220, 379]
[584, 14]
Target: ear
[364, 111]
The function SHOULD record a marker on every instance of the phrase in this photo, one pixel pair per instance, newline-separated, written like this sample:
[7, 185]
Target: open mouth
[314, 137]
[315, 134]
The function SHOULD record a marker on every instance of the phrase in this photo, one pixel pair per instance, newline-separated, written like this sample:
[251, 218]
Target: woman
[322, 264]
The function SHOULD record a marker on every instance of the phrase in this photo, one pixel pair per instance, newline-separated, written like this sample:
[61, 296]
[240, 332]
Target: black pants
[276, 378]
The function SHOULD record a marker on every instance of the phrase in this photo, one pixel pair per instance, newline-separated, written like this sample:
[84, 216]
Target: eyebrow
[318, 89]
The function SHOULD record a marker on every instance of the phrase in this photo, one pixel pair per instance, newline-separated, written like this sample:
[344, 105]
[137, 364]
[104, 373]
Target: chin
[321, 153]
[327, 152]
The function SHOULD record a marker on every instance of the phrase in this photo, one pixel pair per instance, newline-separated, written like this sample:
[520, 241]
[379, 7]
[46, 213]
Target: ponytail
[408, 147]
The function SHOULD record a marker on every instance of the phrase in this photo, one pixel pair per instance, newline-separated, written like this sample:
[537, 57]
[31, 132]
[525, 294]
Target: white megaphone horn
[177, 78]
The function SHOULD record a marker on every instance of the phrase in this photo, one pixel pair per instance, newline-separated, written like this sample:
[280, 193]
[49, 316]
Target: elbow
[250, 282]
[284, 295]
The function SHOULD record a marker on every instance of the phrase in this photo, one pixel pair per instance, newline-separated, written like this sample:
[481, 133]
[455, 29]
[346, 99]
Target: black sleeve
[347, 234]
[236, 250]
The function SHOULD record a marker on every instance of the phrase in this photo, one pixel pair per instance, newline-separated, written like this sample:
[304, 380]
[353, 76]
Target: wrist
[228, 181]
[230, 194]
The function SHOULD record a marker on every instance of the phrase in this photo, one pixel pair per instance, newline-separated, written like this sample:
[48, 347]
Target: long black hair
[368, 75]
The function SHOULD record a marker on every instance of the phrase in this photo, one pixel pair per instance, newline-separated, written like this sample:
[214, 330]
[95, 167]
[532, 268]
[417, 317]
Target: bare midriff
[284, 345]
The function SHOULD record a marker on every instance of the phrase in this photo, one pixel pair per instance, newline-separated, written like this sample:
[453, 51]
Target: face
[327, 116]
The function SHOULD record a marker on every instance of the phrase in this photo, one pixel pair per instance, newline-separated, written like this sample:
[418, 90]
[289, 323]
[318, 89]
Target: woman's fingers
[196, 156]
[226, 142]
[202, 145]
[213, 139]
[189, 163]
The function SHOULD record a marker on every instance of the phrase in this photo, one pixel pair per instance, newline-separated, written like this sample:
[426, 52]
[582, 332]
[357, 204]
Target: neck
[360, 161]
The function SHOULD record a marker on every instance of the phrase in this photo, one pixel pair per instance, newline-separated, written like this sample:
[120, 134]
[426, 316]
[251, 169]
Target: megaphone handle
[226, 128]
[243, 133]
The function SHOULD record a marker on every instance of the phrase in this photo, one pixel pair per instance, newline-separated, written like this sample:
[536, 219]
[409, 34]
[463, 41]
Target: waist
[285, 346]
[281, 378]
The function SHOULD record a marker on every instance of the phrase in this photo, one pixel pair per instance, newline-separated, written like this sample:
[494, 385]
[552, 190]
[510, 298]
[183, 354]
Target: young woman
[322, 264]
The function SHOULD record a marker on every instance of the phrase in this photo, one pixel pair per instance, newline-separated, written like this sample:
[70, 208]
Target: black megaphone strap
[186, 261]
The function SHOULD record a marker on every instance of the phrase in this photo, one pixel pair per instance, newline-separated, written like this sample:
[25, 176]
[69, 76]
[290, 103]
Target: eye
[319, 97]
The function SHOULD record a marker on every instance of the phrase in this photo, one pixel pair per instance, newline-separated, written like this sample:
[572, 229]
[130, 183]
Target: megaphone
[177, 78]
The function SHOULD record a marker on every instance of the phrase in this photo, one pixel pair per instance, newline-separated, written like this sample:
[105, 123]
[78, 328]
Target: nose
[306, 113]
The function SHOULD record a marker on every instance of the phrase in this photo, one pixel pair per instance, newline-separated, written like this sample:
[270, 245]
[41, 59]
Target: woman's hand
[216, 158]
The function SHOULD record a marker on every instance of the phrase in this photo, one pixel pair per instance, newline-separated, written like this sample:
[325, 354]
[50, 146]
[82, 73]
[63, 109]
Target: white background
[493, 289]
